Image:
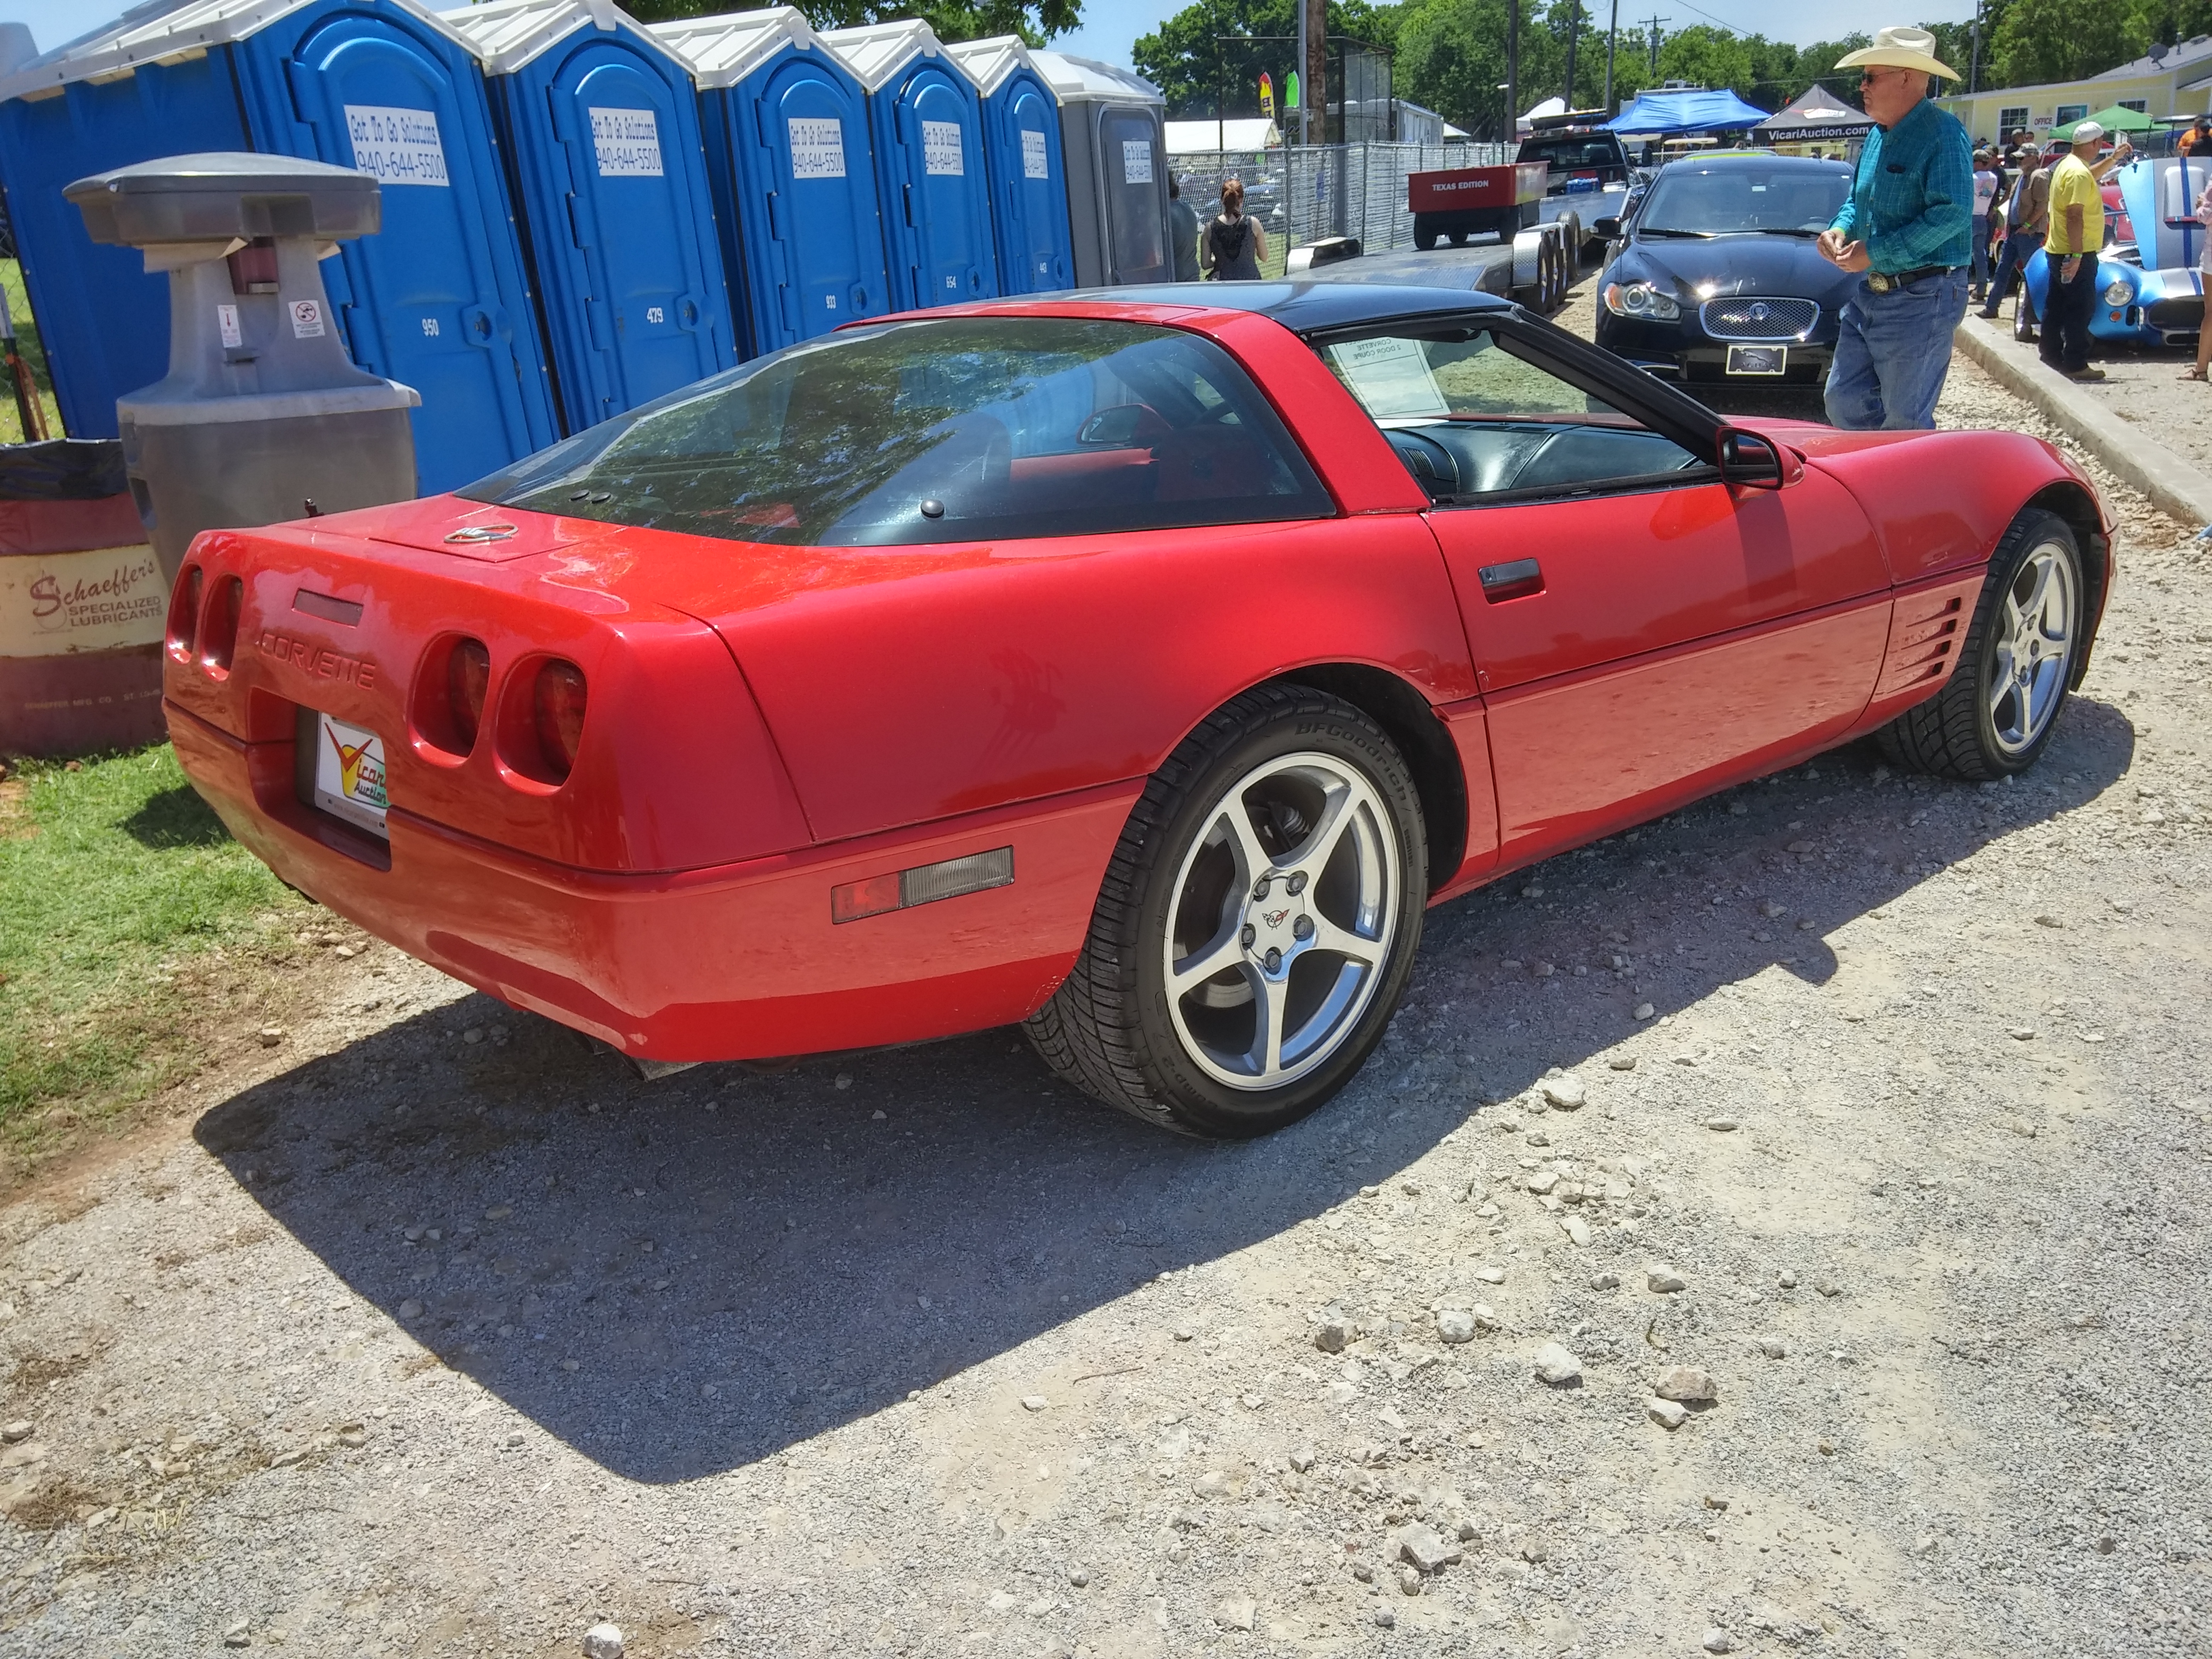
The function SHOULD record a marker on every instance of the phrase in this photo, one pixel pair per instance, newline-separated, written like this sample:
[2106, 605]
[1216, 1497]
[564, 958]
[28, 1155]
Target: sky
[1110, 27]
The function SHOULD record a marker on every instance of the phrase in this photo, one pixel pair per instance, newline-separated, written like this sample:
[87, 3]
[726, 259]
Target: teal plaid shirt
[1912, 203]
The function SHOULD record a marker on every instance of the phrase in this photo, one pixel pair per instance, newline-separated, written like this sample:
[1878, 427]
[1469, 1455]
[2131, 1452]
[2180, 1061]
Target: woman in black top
[1234, 244]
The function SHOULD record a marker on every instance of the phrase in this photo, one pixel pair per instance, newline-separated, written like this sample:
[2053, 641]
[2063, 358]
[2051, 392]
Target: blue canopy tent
[1670, 112]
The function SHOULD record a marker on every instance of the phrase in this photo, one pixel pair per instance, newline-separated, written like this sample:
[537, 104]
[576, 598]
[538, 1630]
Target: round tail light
[185, 613]
[558, 703]
[219, 625]
[468, 679]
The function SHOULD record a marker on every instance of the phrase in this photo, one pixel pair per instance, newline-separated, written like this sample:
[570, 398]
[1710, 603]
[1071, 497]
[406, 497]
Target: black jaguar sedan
[1717, 276]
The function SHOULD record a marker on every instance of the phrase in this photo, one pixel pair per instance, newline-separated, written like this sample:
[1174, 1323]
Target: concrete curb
[2175, 488]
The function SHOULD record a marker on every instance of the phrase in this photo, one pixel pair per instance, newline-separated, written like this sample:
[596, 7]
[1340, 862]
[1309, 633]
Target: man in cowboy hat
[1906, 227]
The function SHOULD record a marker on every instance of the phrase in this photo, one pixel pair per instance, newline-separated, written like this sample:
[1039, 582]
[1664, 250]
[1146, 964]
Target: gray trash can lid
[198, 198]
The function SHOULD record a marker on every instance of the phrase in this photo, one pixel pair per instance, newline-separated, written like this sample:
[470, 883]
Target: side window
[1474, 418]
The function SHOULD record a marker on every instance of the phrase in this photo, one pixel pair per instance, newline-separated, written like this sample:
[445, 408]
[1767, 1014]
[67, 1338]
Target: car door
[1643, 631]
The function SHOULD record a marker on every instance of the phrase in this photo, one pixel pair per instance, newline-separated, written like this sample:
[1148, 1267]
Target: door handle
[1514, 580]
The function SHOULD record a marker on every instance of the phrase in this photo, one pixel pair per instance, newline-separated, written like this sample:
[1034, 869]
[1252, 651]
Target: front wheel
[1256, 927]
[1997, 714]
[1423, 240]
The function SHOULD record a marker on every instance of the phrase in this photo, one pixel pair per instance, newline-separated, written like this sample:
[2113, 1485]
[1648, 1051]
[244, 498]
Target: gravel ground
[422, 1332]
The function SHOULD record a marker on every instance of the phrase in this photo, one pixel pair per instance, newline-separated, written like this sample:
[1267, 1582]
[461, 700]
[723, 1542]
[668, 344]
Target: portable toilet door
[1113, 126]
[436, 301]
[792, 173]
[927, 125]
[1025, 162]
[602, 123]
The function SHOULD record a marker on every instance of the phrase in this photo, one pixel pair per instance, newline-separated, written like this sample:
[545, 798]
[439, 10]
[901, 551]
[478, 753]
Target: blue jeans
[1892, 351]
[1981, 235]
[2012, 262]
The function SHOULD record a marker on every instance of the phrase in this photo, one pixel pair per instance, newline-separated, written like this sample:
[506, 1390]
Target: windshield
[967, 429]
[1726, 201]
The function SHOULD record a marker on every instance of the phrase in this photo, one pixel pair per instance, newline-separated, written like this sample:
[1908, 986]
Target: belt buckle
[1879, 282]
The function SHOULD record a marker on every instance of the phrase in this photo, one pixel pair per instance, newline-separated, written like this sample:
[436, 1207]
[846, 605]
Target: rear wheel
[1256, 927]
[1424, 238]
[1459, 238]
[1997, 714]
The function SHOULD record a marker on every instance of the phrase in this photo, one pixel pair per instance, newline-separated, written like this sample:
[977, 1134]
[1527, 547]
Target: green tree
[2041, 40]
[1035, 21]
[1201, 73]
[1703, 56]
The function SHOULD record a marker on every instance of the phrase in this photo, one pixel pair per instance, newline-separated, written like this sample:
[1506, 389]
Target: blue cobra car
[2149, 290]
[1717, 277]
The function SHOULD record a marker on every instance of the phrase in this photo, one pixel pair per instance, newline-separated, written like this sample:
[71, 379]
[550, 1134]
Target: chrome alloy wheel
[1283, 916]
[2033, 648]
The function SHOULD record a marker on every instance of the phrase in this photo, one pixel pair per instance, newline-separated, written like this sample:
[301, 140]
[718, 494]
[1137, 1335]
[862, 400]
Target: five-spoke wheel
[1256, 927]
[1998, 711]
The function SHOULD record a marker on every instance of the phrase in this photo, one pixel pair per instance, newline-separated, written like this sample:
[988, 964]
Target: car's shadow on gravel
[684, 1276]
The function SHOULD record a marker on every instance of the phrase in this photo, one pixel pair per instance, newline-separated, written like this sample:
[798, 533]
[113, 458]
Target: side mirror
[1751, 460]
[1608, 229]
[1112, 429]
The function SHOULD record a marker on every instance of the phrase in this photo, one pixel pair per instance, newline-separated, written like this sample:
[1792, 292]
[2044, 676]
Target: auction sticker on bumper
[350, 773]
[1758, 359]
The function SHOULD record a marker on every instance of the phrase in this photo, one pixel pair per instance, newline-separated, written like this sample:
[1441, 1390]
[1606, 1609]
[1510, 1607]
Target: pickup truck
[1590, 173]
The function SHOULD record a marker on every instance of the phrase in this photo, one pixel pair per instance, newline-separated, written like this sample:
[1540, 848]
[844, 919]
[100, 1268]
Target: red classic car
[1134, 665]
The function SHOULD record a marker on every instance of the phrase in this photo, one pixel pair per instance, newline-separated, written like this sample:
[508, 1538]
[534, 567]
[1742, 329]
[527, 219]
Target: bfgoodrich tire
[1257, 923]
[1997, 714]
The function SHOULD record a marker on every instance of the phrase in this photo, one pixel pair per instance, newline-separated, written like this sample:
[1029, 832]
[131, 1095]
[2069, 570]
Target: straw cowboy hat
[1901, 48]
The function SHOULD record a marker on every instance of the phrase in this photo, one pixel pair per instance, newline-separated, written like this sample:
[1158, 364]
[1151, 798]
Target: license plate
[1758, 360]
[350, 773]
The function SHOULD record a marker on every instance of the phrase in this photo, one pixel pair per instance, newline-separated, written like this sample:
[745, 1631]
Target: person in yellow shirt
[2077, 231]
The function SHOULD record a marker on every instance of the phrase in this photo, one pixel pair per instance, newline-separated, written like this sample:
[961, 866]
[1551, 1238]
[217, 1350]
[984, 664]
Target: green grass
[33, 347]
[131, 926]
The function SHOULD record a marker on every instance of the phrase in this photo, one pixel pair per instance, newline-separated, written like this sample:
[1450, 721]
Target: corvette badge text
[321, 661]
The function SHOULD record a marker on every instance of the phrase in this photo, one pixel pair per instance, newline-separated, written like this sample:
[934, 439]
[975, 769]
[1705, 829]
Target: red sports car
[1135, 666]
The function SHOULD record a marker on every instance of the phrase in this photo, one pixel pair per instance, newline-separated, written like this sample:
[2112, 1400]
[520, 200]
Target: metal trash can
[263, 419]
[82, 603]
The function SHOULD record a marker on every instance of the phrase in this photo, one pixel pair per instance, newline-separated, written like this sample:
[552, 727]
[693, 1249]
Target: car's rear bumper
[737, 961]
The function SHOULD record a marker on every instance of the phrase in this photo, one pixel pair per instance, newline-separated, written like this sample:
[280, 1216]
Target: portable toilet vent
[437, 299]
[1025, 162]
[927, 125]
[1114, 127]
[602, 122]
[786, 127]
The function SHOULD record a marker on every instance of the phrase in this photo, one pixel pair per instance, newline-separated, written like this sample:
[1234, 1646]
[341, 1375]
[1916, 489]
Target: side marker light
[925, 883]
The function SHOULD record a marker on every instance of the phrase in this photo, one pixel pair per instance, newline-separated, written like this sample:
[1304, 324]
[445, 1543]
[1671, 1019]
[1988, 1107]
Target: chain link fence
[1300, 194]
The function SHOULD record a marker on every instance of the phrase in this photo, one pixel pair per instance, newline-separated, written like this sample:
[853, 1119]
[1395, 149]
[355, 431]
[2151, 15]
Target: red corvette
[1134, 665]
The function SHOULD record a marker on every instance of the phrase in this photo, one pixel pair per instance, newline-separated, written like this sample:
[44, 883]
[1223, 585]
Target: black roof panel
[1304, 306]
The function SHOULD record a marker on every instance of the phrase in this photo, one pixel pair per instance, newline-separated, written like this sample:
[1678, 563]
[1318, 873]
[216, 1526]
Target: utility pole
[1611, 39]
[1305, 101]
[1574, 34]
[1655, 21]
[1512, 70]
[1974, 68]
[1314, 88]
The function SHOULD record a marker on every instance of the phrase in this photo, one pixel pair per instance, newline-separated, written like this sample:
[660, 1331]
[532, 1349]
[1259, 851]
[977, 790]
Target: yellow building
[2172, 81]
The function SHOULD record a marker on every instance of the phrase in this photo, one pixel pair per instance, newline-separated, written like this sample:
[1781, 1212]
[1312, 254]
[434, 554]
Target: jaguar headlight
[2118, 293]
[1640, 300]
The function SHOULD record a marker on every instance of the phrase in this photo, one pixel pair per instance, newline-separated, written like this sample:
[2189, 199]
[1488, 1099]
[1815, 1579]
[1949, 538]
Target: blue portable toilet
[601, 123]
[787, 154]
[1023, 162]
[437, 299]
[927, 125]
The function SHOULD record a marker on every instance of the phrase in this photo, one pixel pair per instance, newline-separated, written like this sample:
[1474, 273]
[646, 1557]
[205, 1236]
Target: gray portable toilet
[262, 417]
[1113, 129]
